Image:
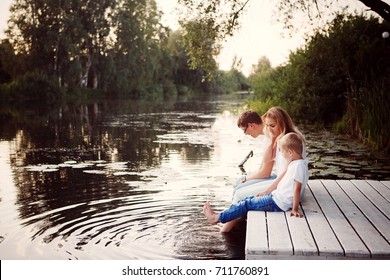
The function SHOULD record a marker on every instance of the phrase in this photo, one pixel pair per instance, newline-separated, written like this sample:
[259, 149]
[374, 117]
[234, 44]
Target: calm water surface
[127, 180]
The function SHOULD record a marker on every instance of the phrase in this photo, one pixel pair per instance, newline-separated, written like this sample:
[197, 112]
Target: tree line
[118, 47]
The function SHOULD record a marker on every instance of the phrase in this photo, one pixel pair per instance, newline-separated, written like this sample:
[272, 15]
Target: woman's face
[273, 127]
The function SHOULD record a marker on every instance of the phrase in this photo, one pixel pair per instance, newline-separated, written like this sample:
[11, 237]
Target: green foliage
[222, 18]
[200, 43]
[259, 105]
[227, 82]
[340, 76]
[119, 47]
[152, 93]
[34, 90]
[265, 81]
[205, 25]
[375, 119]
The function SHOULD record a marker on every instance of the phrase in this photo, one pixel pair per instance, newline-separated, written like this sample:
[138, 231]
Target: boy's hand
[261, 194]
[296, 214]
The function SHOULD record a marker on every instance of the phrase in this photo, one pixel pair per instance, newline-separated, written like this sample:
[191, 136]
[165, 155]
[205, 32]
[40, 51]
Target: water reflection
[126, 180]
[337, 157]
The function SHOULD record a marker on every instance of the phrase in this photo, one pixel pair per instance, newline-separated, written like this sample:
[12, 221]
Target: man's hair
[291, 141]
[249, 116]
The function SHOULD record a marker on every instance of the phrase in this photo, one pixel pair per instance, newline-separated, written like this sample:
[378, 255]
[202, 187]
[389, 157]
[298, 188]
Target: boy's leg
[241, 208]
[211, 216]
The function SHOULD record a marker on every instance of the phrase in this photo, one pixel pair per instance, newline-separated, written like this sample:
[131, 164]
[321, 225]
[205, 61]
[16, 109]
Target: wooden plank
[327, 243]
[346, 235]
[256, 234]
[381, 188]
[370, 236]
[302, 239]
[278, 235]
[386, 183]
[342, 219]
[374, 196]
[380, 221]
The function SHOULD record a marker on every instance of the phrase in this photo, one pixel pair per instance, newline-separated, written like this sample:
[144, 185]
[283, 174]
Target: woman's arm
[266, 166]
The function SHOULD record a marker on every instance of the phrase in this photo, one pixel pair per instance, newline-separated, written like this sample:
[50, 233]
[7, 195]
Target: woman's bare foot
[211, 216]
[227, 227]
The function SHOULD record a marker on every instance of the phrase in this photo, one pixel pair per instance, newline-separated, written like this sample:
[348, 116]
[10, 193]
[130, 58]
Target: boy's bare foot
[211, 216]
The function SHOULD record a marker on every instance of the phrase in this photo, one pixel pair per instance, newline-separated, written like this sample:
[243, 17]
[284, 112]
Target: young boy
[284, 196]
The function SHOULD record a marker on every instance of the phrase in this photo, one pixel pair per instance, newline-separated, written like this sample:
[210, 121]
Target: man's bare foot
[211, 216]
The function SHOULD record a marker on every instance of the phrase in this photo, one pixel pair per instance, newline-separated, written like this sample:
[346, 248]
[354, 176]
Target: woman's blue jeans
[256, 203]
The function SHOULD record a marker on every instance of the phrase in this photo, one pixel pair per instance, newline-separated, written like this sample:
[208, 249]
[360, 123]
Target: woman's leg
[228, 226]
[251, 190]
[238, 185]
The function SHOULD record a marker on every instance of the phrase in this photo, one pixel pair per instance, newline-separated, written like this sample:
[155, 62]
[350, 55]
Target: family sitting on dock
[279, 183]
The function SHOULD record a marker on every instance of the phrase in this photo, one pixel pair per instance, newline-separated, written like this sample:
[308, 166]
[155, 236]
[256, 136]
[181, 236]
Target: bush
[34, 89]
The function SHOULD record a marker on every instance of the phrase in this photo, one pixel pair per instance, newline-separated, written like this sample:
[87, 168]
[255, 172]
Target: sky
[258, 36]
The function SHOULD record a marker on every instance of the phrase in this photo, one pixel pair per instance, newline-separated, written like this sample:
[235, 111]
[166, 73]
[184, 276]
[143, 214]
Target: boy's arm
[274, 184]
[297, 198]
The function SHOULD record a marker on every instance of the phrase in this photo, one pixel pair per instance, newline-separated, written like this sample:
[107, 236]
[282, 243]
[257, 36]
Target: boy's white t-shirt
[280, 161]
[283, 195]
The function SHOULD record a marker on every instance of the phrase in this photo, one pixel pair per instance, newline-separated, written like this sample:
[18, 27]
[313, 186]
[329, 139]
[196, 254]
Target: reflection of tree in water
[53, 192]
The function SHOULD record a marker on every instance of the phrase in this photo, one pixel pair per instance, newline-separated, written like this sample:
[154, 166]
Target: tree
[226, 16]
[263, 65]
[61, 38]
[137, 49]
[184, 76]
[9, 62]
[200, 40]
[102, 44]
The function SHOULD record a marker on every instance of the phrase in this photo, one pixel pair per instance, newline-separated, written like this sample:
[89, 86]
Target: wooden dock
[344, 219]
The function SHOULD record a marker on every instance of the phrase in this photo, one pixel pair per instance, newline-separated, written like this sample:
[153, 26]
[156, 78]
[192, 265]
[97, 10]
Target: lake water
[127, 180]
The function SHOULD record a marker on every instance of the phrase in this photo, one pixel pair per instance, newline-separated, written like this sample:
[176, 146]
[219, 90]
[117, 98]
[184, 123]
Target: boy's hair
[249, 116]
[292, 141]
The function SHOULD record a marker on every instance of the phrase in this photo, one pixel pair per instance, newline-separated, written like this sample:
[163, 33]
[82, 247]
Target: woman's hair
[249, 116]
[292, 141]
[283, 120]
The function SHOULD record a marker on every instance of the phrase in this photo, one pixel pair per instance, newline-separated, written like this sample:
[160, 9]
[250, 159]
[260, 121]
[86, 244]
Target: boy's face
[286, 153]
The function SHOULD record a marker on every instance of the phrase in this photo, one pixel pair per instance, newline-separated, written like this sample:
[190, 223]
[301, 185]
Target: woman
[276, 123]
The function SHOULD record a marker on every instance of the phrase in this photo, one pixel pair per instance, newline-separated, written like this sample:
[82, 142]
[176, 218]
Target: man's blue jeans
[256, 203]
